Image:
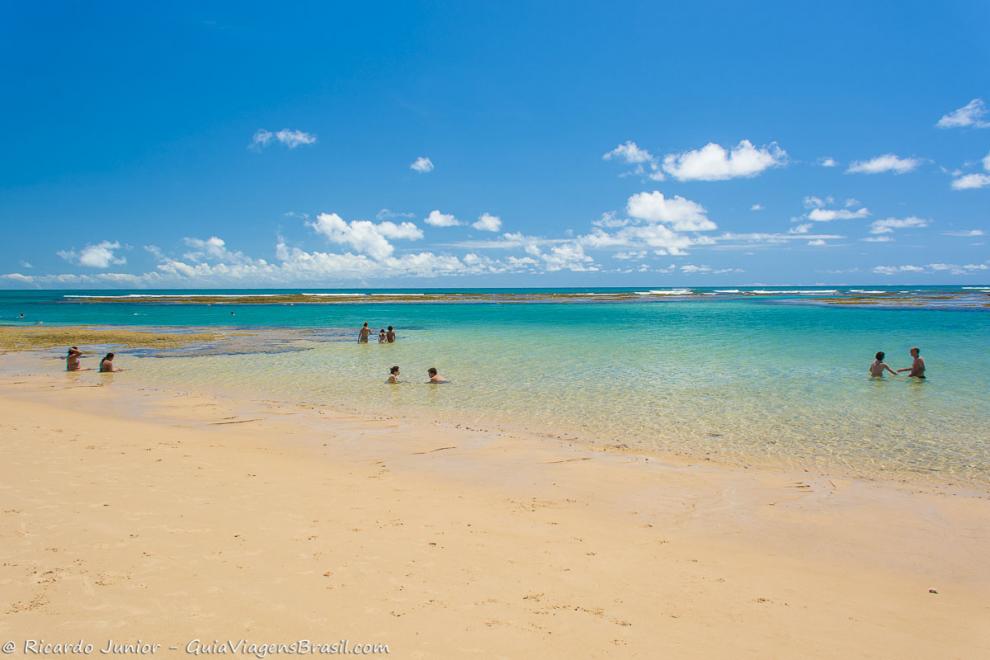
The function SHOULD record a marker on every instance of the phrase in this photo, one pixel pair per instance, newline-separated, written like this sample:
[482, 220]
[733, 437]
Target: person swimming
[390, 335]
[364, 333]
[393, 375]
[879, 366]
[917, 368]
[435, 377]
[106, 364]
[72, 359]
[381, 336]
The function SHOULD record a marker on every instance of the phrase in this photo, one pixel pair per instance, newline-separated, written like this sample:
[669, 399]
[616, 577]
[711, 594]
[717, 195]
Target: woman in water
[879, 366]
[72, 359]
[106, 364]
[393, 375]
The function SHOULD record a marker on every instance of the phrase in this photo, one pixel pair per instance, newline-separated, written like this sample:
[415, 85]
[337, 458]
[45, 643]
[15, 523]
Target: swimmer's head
[880, 355]
[915, 351]
[108, 356]
[432, 371]
[394, 370]
[366, 324]
[390, 327]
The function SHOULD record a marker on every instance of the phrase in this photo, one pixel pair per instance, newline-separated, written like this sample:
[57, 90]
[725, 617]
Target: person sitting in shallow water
[381, 336]
[72, 359]
[917, 368]
[393, 375]
[435, 377]
[106, 364]
[879, 366]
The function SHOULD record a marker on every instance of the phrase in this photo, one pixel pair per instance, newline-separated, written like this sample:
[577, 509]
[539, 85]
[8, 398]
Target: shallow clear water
[738, 379]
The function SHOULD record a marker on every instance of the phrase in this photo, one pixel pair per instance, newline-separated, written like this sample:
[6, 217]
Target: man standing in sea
[917, 368]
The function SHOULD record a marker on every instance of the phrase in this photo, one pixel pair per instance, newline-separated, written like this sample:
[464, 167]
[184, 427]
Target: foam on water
[665, 292]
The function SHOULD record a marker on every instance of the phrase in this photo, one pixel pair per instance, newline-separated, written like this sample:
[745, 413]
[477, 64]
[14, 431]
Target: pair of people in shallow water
[72, 361]
[393, 376]
[917, 368]
[384, 337]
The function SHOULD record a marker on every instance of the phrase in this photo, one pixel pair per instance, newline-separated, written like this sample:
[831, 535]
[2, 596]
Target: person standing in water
[72, 359]
[364, 333]
[917, 368]
[390, 335]
[381, 336]
[879, 366]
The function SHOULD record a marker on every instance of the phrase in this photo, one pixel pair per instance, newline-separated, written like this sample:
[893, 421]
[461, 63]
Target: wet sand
[131, 513]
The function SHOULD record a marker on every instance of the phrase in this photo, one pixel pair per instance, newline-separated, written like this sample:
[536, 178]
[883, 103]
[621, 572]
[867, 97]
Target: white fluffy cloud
[821, 213]
[438, 219]
[885, 163]
[827, 161]
[629, 152]
[488, 222]
[288, 137]
[99, 255]
[421, 165]
[211, 262]
[213, 248]
[655, 223]
[632, 154]
[366, 237]
[713, 162]
[973, 181]
[970, 115]
[569, 256]
[658, 237]
[828, 215]
[682, 214]
[888, 225]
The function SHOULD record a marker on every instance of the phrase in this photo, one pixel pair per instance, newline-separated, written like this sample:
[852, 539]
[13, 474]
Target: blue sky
[494, 144]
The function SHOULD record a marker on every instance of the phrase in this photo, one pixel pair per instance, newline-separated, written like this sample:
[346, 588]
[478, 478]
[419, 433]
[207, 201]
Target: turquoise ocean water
[772, 376]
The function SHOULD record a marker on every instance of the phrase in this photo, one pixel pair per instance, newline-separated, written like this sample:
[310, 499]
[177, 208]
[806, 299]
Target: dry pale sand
[127, 513]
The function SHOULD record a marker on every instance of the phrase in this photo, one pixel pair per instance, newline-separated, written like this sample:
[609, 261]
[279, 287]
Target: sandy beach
[456, 330]
[131, 513]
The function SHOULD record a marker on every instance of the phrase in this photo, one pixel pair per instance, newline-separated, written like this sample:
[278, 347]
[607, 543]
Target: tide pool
[738, 380]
